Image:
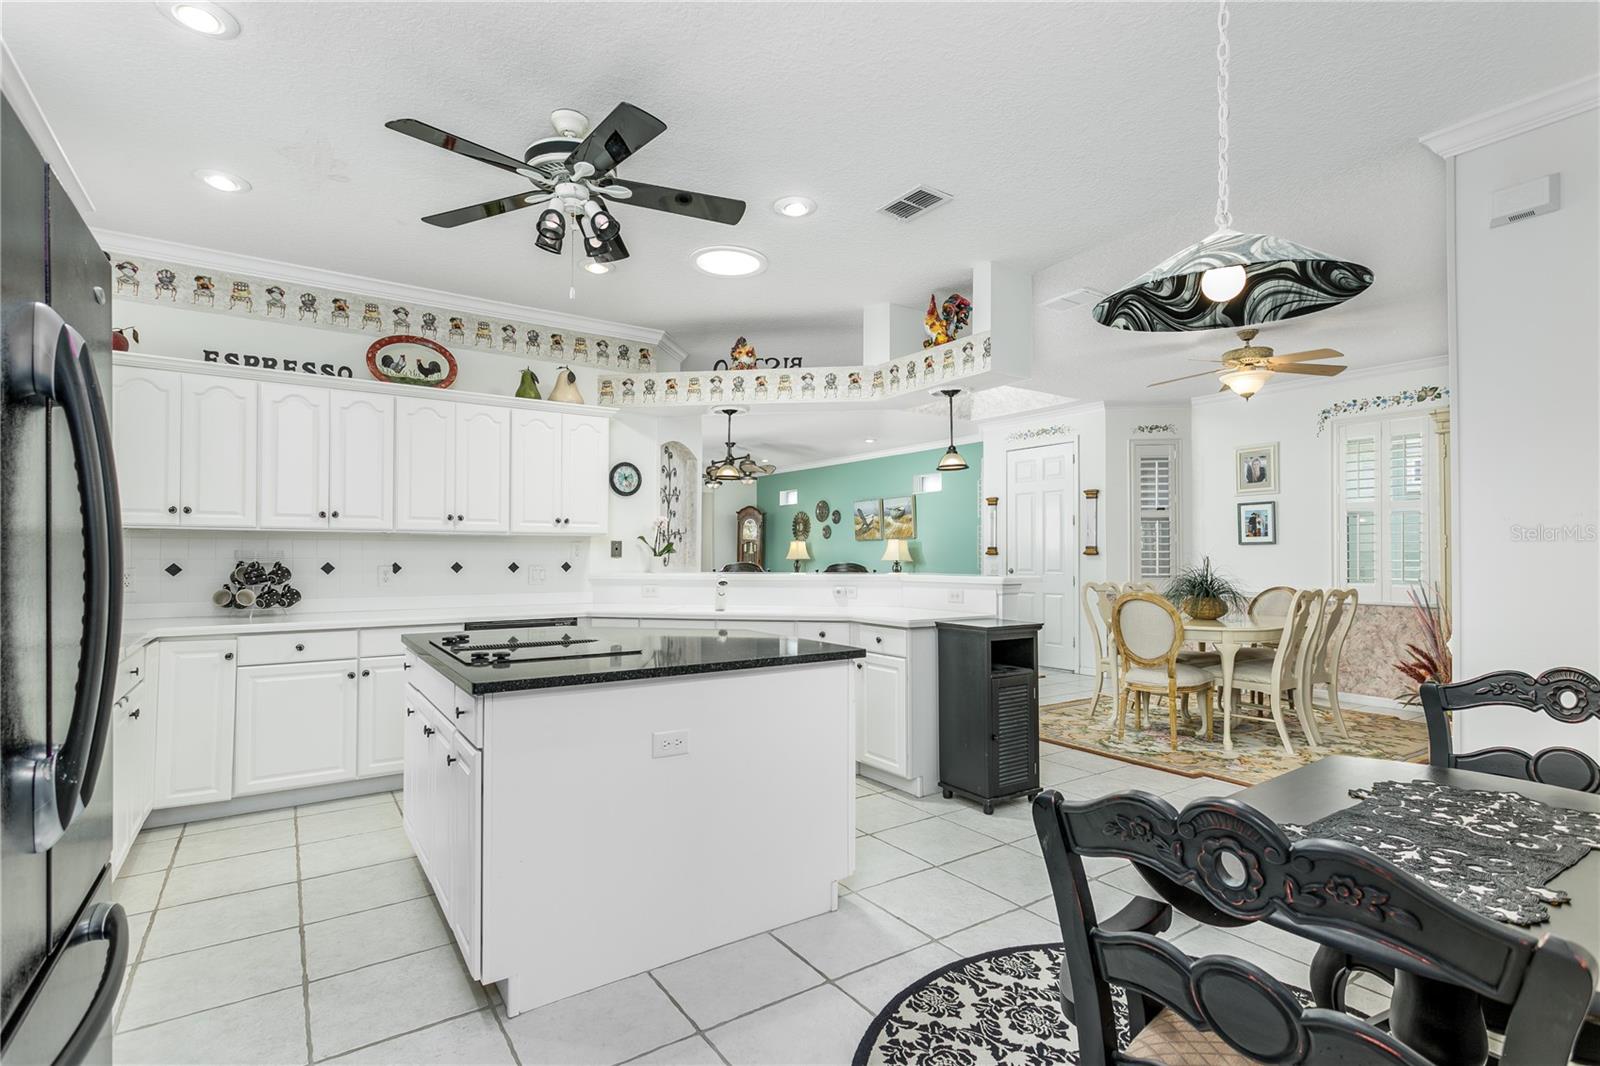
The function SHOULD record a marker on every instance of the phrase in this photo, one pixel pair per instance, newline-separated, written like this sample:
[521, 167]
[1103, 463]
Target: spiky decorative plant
[1193, 588]
[1430, 660]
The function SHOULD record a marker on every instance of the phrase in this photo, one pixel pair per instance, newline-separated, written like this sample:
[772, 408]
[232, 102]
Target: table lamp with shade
[897, 552]
[799, 552]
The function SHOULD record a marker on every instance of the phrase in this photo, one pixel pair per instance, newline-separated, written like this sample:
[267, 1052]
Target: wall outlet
[385, 574]
[668, 744]
[852, 591]
[128, 580]
[616, 549]
[649, 592]
[536, 575]
[955, 596]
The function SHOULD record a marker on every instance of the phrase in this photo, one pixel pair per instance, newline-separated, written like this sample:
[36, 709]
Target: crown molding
[1362, 373]
[156, 248]
[26, 105]
[1561, 102]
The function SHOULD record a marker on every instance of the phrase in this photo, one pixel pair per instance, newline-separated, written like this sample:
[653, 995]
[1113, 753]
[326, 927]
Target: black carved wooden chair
[1226, 864]
[1568, 695]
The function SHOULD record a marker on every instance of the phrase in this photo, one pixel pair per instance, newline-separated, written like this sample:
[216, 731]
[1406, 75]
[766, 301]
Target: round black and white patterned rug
[998, 1007]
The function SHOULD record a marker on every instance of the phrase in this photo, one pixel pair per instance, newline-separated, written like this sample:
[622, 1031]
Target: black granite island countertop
[511, 660]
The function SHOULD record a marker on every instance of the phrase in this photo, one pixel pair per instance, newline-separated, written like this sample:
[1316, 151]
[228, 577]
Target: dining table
[1316, 790]
[1229, 634]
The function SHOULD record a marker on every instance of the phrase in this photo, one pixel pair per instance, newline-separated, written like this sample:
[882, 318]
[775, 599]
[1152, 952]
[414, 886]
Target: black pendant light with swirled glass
[1231, 279]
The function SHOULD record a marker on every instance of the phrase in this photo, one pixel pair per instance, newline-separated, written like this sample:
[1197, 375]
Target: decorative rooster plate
[406, 360]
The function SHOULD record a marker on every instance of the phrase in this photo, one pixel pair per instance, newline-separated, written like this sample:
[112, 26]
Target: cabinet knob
[858, 666]
[173, 509]
[322, 514]
[135, 712]
[227, 655]
[336, 514]
[460, 713]
[405, 666]
[427, 730]
[822, 632]
[299, 647]
[351, 675]
[449, 759]
[366, 673]
[410, 712]
[878, 639]
[188, 510]
[134, 671]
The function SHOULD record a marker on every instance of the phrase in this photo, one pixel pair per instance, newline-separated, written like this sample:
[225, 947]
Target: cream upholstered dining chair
[1270, 603]
[1098, 596]
[1338, 615]
[1148, 633]
[1282, 677]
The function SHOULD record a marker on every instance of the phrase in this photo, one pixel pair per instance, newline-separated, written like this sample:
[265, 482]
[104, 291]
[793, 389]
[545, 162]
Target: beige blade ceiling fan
[1245, 369]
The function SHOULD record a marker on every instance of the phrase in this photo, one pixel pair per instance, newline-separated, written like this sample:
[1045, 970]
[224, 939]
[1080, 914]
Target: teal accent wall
[948, 521]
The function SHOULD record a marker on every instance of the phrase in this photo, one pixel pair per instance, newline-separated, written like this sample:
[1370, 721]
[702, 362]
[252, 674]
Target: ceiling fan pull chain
[572, 271]
[1224, 216]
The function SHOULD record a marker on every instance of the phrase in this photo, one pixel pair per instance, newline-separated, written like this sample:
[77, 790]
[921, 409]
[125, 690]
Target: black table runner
[1491, 852]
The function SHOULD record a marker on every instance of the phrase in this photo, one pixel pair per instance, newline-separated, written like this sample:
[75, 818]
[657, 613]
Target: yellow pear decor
[565, 389]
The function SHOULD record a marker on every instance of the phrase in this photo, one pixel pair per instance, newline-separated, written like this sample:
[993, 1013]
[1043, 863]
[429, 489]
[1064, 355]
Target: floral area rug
[1257, 754]
[1000, 1007]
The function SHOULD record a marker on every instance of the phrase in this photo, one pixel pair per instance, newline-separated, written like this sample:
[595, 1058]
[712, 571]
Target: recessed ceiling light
[728, 261]
[206, 19]
[795, 206]
[597, 268]
[223, 181]
[870, 440]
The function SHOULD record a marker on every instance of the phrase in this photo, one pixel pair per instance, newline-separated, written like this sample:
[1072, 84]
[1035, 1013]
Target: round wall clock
[822, 510]
[625, 479]
[801, 526]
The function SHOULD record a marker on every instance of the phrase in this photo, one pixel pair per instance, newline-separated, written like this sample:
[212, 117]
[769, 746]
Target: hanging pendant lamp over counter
[1231, 279]
[951, 459]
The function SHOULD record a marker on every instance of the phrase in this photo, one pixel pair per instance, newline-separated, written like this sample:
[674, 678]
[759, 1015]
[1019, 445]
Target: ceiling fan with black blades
[1245, 369]
[573, 173]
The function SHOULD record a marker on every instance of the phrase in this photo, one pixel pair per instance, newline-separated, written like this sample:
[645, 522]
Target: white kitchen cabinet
[881, 718]
[360, 461]
[482, 481]
[425, 467]
[413, 780]
[145, 433]
[381, 716]
[559, 472]
[463, 810]
[194, 722]
[133, 755]
[295, 725]
[217, 452]
[293, 473]
[585, 473]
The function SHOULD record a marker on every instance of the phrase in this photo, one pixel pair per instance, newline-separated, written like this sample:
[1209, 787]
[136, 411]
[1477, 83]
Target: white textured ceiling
[1080, 135]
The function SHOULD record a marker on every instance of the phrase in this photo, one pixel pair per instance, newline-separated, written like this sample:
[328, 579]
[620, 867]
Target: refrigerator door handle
[111, 618]
[105, 921]
[53, 372]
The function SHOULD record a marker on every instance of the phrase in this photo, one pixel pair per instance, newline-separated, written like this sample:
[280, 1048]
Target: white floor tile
[876, 985]
[935, 902]
[867, 786]
[734, 979]
[138, 892]
[236, 821]
[1010, 873]
[474, 1038]
[937, 840]
[691, 1052]
[820, 1026]
[210, 977]
[360, 939]
[216, 921]
[349, 802]
[269, 1029]
[149, 856]
[609, 1024]
[223, 877]
[388, 999]
[357, 890]
[334, 824]
[166, 832]
[1010, 821]
[878, 812]
[1008, 930]
[877, 862]
[351, 853]
[858, 934]
[228, 843]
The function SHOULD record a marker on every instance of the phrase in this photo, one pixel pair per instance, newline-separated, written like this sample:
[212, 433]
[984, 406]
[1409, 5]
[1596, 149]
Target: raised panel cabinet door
[424, 465]
[148, 406]
[483, 469]
[881, 713]
[585, 473]
[415, 744]
[361, 461]
[537, 471]
[194, 722]
[436, 814]
[381, 717]
[141, 760]
[121, 787]
[217, 465]
[296, 726]
[464, 834]
[293, 470]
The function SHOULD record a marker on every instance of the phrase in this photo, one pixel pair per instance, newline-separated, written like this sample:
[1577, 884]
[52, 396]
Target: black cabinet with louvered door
[989, 710]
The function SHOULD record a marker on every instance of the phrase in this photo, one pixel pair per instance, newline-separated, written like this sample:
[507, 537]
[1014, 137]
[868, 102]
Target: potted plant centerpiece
[1202, 593]
[660, 544]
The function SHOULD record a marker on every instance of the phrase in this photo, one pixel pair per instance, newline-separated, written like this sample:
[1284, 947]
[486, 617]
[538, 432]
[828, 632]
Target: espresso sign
[272, 362]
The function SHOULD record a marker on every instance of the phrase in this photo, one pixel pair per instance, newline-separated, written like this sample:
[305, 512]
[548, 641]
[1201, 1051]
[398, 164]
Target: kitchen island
[591, 802]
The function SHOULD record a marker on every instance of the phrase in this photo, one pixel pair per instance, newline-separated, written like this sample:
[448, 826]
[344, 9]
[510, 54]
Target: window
[1386, 473]
[788, 497]
[1155, 519]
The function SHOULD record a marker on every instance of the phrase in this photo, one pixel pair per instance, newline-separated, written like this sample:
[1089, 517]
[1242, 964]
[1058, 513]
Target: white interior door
[294, 457]
[145, 433]
[1042, 545]
[425, 464]
[483, 461]
[361, 461]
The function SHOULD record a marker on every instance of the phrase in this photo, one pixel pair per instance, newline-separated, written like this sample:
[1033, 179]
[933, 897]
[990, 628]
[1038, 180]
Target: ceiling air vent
[1075, 298]
[916, 202]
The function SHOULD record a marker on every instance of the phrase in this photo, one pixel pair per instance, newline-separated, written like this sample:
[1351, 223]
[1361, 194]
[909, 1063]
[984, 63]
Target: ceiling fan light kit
[1231, 279]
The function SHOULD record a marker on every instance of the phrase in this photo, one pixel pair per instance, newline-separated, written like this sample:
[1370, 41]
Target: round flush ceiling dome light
[794, 206]
[222, 181]
[208, 20]
[730, 261]
[1231, 279]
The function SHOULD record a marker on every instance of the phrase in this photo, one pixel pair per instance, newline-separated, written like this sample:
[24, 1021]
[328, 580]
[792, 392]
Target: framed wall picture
[900, 518]
[1255, 468]
[1258, 522]
[868, 519]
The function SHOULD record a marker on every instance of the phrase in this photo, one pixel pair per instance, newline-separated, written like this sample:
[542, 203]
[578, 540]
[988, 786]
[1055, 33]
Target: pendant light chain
[1224, 216]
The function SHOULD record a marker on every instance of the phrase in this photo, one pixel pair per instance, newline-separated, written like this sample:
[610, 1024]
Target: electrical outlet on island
[665, 745]
[955, 596]
[648, 592]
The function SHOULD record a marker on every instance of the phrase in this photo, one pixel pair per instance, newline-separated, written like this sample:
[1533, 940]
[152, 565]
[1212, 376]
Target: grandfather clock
[751, 526]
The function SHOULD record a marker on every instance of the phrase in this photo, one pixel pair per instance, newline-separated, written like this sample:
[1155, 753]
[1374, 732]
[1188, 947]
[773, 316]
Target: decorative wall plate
[827, 532]
[407, 360]
[801, 526]
[835, 517]
[625, 479]
[822, 510]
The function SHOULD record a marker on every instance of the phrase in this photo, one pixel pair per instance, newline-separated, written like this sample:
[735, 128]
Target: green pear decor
[529, 388]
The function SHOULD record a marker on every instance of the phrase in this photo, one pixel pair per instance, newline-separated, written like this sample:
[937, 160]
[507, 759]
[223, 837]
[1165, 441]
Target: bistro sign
[272, 362]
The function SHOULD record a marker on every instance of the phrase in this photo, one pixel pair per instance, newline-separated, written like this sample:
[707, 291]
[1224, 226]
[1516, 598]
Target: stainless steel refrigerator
[63, 943]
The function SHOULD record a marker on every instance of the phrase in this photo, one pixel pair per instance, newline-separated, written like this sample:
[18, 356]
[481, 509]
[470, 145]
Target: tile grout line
[305, 970]
[155, 908]
[701, 1033]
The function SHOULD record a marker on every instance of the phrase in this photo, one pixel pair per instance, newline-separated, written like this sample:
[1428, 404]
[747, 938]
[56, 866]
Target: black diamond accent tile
[174, 569]
[456, 567]
[394, 568]
[513, 568]
[326, 568]
[565, 567]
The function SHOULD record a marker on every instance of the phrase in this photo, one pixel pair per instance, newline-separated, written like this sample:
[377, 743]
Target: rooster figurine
[743, 355]
[943, 323]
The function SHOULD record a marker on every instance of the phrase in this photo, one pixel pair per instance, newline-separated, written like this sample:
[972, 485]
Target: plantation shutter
[1155, 495]
[1386, 500]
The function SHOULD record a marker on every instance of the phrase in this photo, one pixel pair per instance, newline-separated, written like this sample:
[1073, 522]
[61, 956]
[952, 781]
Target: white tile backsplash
[204, 560]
